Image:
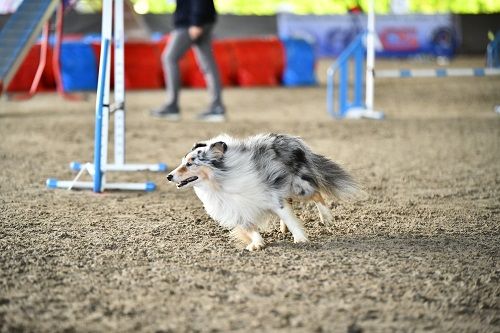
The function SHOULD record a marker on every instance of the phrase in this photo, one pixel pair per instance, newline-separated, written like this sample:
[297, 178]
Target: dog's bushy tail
[335, 181]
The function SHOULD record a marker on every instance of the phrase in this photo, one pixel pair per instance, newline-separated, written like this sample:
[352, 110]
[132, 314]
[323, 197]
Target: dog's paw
[255, 246]
[300, 239]
[325, 215]
[283, 227]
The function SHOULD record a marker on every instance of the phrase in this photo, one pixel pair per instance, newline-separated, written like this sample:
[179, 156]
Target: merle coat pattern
[242, 182]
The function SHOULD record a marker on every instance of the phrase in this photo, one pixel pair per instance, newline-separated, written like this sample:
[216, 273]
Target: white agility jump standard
[98, 169]
[355, 109]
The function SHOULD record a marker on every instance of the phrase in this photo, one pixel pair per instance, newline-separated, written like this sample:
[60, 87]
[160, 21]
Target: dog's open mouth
[186, 181]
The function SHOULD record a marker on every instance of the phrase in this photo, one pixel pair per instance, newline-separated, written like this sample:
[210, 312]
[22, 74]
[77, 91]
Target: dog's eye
[189, 164]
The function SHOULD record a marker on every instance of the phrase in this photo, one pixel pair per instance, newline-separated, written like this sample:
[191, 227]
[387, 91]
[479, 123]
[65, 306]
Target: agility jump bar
[68, 184]
[438, 72]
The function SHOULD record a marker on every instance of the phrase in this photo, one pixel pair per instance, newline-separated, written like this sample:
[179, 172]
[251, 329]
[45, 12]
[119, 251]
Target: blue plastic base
[150, 187]
[51, 183]
[75, 166]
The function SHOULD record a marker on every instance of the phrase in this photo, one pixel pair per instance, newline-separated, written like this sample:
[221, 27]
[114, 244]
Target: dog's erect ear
[218, 149]
[198, 145]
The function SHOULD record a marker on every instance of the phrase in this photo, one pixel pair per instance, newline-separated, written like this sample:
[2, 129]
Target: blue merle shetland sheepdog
[242, 182]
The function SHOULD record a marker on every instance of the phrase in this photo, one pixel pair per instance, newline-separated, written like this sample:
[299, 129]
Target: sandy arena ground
[420, 254]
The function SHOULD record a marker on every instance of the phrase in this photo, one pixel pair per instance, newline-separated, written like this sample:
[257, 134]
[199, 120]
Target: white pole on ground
[119, 96]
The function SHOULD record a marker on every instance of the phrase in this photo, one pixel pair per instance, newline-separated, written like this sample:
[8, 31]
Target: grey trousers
[179, 44]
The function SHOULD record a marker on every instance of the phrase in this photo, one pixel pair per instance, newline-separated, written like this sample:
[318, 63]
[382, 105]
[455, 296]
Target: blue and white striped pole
[119, 85]
[438, 72]
[99, 118]
[102, 100]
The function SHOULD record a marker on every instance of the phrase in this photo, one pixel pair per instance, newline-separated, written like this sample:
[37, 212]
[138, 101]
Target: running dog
[242, 182]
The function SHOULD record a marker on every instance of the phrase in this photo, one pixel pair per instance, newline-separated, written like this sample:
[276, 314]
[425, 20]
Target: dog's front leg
[293, 224]
[251, 238]
[283, 227]
[257, 242]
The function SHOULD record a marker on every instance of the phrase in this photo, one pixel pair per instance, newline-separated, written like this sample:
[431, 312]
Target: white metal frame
[98, 169]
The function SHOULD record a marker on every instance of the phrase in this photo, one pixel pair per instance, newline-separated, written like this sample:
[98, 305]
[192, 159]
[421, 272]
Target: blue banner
[398, 35]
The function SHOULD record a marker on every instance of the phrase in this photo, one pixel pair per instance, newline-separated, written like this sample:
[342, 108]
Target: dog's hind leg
[293, 224]
[325, 215]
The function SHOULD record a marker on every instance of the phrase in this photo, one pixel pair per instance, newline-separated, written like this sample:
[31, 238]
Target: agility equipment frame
[100, 167]
[340, 106]
[356, 52]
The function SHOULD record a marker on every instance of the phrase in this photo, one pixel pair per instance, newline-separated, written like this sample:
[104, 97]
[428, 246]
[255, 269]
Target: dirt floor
[420, 254]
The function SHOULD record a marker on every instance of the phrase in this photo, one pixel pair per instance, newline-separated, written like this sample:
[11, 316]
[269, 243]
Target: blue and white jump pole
[437, 72]
[98, 169]
[102, 104]
[492, 69]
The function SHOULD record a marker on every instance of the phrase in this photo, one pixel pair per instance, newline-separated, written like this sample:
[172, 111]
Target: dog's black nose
[169, 177]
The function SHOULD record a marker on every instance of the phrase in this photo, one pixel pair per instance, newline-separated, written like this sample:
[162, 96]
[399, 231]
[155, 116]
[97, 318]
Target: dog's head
[199, 164]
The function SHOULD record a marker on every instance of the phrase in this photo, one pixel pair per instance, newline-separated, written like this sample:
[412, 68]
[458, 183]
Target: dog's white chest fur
[236, 203]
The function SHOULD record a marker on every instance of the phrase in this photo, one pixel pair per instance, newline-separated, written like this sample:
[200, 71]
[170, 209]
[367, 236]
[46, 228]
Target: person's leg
[178, 45]
[206, 61]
